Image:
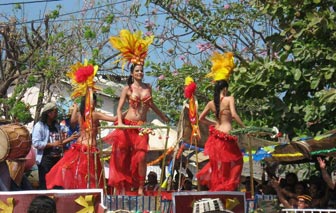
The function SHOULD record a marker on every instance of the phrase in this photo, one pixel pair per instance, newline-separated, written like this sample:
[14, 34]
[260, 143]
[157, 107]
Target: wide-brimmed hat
[49, 106]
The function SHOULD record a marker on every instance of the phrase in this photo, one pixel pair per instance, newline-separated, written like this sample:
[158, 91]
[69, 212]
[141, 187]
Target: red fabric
[71, 172]
[222, 172]
[128, 148]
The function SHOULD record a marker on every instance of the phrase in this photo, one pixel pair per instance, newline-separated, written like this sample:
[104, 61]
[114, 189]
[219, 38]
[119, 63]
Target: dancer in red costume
[129, 146]
[74, 170]
[223, 171]
[80, 167]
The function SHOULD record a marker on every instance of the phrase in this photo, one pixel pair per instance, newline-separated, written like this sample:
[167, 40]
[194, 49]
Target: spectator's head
[247, 183]
[314, 190]
[300, 188]
[187, 184]
[49, 112]
[304, 201]
[291, 179]
[152, 178]
[42, 204]
[293, 201]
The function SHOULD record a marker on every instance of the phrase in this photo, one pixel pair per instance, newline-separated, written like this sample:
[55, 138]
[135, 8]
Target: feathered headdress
[222, 66]
[133, 48]
[81, 76]
[189, 87]
[189, 91]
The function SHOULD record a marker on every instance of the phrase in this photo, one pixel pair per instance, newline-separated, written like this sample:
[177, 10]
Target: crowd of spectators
[315, 192]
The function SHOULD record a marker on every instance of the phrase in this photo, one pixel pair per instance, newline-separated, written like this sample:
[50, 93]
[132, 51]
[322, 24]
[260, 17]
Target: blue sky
[34, 9]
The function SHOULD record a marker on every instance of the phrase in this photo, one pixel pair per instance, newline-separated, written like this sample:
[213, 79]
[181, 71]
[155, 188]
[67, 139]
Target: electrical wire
[86, 19]
[27, 2]
[71, 13]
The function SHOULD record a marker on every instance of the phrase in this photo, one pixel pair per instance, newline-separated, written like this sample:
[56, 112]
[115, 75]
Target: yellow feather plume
[81, 79]
[133, 48]
[188, 80]
[222, 66]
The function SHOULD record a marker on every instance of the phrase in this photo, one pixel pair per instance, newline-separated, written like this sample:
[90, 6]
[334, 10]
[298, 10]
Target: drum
[15, 142]
[30, 159]
[16, 169]
[209, 205]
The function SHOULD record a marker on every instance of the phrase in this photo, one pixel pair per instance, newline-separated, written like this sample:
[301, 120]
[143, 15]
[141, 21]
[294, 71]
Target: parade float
[183, 148]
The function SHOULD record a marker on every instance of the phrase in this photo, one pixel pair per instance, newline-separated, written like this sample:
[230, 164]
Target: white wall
[108, 106]
[64, 90]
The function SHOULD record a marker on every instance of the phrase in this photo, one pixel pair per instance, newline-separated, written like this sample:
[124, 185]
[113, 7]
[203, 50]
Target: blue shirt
[40, 139]
[66, 128]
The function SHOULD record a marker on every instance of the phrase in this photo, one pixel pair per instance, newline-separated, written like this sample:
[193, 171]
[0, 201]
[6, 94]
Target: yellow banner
[9, 207]
[87, 203]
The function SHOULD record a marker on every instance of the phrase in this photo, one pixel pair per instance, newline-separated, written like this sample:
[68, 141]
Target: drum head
[4, 145]
[15, 141]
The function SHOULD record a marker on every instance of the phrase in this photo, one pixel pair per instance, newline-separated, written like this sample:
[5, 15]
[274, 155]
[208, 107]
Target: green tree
[39, 53]
[285, 74]
[303, 71]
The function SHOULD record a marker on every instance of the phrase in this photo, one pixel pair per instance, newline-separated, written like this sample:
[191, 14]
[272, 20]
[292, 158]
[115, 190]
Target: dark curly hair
[82, 105]
[42, 204]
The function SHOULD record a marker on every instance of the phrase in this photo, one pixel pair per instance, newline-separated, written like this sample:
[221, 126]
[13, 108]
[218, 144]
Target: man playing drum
[46, 138]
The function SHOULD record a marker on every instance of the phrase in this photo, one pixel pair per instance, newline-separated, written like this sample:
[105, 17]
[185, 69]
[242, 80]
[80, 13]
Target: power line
[87, 19]
[83, 19]
[27, 2]
[74, 12]
[93, 8]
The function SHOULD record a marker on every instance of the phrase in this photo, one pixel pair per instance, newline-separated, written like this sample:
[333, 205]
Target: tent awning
[304, 150]
[158, 140]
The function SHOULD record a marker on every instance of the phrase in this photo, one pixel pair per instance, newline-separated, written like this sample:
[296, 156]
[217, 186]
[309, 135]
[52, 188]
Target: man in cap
[304, 201]
[46, 138]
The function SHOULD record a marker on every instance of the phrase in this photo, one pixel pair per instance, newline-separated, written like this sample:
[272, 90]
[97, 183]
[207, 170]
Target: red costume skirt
[79, 168]
[222, 172]
[128, 149]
